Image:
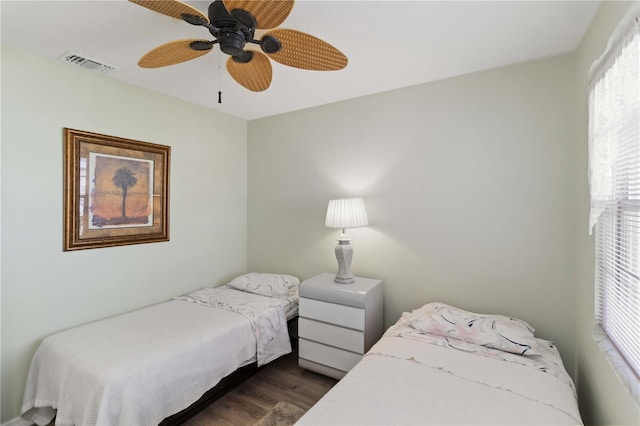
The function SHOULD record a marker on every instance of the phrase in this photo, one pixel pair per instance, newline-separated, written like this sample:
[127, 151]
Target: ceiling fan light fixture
[233, 24]
[232, 43]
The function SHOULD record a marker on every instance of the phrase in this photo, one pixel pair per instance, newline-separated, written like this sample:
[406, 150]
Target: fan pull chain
[219, 91]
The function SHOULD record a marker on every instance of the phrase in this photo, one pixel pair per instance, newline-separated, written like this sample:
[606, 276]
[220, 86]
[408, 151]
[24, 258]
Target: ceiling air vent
[84, 62]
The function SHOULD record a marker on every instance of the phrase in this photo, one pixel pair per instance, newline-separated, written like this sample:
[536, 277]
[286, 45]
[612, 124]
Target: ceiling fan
[233, 24]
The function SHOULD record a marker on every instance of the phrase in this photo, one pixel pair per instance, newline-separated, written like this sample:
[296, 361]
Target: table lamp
[345, 213]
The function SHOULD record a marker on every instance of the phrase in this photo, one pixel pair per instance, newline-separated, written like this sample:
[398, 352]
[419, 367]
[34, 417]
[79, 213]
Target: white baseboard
[18, 421]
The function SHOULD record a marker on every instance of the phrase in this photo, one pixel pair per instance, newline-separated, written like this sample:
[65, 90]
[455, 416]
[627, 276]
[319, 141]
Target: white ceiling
[390, 44]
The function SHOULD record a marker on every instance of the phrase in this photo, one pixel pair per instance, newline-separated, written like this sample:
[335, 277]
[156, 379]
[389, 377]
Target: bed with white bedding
[141, 367]
[440, 365]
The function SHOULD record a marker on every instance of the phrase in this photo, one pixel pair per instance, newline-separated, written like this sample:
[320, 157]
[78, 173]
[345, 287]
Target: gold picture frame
[116, 191]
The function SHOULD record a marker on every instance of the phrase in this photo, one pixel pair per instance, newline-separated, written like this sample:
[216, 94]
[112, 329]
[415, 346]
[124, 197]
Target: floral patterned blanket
[547, 361]
[561, 396]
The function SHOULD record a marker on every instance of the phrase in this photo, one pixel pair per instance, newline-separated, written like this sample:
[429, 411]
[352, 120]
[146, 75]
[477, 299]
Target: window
[614, 180]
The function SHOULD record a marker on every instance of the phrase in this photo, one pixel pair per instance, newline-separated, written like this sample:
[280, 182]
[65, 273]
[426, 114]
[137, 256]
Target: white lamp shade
[346, 213]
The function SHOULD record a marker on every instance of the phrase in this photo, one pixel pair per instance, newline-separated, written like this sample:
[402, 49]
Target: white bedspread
[140, 367]
[266, 315]
[404, 381]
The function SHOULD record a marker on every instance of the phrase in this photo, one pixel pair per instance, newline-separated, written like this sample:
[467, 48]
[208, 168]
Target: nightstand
[338, 323]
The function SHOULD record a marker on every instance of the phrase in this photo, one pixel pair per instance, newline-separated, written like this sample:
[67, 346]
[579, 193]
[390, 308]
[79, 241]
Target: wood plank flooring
[281, 380]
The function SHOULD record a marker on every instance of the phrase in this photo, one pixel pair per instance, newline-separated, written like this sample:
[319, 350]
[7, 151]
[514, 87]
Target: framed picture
[116, 191]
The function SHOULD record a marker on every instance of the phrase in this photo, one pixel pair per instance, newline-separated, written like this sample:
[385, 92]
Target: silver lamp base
[344, 254]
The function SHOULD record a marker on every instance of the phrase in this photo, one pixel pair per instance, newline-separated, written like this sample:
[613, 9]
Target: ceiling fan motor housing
[232, 43]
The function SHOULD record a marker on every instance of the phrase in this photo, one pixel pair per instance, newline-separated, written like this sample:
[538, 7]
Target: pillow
[270, 285]
[491, 331]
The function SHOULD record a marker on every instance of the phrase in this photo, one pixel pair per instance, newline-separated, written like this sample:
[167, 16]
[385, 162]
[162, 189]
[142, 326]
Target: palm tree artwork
[121, 192]
[124, 179]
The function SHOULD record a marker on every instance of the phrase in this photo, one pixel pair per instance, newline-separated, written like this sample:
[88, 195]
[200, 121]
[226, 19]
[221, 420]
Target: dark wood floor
[281, 380]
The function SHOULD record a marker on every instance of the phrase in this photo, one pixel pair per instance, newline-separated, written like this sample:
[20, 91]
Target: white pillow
[270, 285]
[491, 331]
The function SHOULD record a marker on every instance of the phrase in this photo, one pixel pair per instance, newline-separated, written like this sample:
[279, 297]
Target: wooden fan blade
[172, 8]
[172, 53]
[268, 13]
[301, 50]
[254, 75]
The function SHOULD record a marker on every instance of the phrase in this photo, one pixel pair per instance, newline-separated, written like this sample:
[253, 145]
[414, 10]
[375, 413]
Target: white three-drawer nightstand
[337, 323]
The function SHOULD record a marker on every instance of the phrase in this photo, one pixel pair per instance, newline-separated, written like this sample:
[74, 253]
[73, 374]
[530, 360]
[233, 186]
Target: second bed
[440, 365]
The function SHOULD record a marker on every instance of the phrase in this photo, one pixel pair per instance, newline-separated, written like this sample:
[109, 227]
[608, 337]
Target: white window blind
[614, 180]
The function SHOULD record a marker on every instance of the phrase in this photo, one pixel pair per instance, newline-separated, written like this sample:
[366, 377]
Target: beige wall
[603, 399]
[465, 183]
[44, 289]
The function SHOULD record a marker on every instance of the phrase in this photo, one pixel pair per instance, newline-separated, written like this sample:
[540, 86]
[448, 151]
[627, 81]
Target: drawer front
[327, 355]
[345, 316]
[333, 335]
